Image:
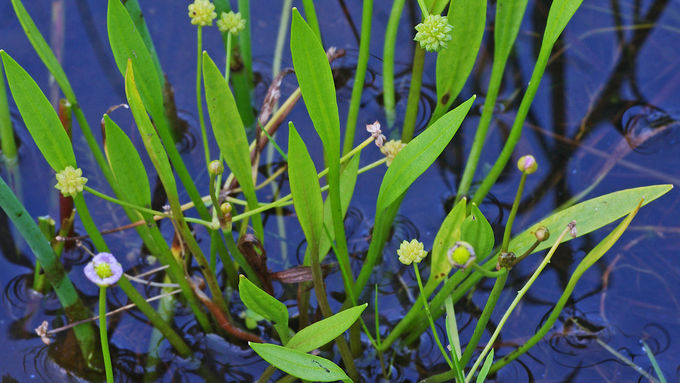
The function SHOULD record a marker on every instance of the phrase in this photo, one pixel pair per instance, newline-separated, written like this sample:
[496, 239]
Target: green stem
[9, 148]
[126, 204]
[92, 142]
[484, 318]
[244, 39]
[103, 336]
[281, 36]
[388, 60]
[518, 124]
[360, 76]
[454, 340]
[320, 290]
[413, 94]
[227, 49]
[513, 213]
[199, 94]
[435, 335]
[520, 295]
[482, 128]
[423, 8]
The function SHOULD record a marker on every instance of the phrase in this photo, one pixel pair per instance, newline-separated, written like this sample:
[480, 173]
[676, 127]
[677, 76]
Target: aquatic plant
[462, 254]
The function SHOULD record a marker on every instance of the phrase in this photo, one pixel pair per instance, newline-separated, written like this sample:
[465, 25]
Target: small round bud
[461, 255]
[215, 168]
[527, 164]
[410, 252]
[542, 234]
[226, 208]
[433, 33]
[506, 260]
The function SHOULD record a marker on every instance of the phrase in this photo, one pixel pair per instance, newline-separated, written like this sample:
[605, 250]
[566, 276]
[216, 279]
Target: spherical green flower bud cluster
[231, 22]
[433, 33]
[390, 149]
[202, 12]
[527, 164]
[215, 168]
[70, 181]
[410, 252]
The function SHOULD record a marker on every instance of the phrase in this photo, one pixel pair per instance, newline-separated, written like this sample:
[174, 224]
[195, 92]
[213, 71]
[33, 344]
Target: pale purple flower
[376, 133]
[103, 270]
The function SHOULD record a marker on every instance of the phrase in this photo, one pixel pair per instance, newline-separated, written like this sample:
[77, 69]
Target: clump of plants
[232, 257]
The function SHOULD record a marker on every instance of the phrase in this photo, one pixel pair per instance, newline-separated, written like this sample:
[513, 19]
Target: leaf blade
[40, 118]
[301, 365]
[324, 331]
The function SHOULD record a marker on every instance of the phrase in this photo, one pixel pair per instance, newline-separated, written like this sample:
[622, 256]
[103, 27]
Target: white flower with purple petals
[104, 270]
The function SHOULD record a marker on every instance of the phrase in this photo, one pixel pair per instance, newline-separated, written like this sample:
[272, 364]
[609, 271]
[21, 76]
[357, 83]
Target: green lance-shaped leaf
[127, 43]
[314, 75]
[509, 15]
[449, 232]
[40, 119]
[301, 365]
[348, 179]
[324, 331]
[265, 305]
[304, 186]
[230, 133]
[126, 165]
[43, 49]
[561, 11]
[419, 154]
[66, 293]
[455, 62]
[589, 215]
[153, 145]
[477, 231]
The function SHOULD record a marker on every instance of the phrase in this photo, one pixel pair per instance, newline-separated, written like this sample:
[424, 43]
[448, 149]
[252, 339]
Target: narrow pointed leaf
[561, 11]
[39, 116]
[126, 165]
[348, 179]
[298, 364]
[419, 154]
[265, 305]
[152, 142]
[477, 231]
[455, 62]
[127, 44]
[43, 49]
[304, 186]
[229, 132]
[589, 215]
[449, 232]
[324, 331]
[316, 83]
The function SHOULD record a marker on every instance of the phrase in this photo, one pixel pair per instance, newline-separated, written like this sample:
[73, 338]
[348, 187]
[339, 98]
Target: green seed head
[433, 33]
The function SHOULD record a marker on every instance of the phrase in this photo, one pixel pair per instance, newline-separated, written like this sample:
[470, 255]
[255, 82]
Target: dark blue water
[613, 75]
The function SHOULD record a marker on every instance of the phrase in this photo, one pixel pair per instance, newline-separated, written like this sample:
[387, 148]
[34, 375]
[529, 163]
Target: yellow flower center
[103, 270]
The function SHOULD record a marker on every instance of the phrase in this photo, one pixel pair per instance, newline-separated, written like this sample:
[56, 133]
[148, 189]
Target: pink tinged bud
[527, 164]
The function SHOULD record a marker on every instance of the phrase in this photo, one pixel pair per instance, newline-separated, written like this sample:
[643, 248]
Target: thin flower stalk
[514, 303]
